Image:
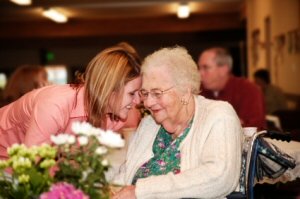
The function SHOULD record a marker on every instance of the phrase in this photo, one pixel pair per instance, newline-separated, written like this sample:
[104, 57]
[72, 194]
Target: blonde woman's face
[130, 98]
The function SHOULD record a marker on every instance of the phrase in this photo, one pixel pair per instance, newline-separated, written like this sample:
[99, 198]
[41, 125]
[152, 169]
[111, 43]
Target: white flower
[70, 139]
[82, 128]
[58, 139]
[95, 131]
[101, 150]
[111, 139]
[104, 162]
[63, 139]
[83, 140]
[86, 173]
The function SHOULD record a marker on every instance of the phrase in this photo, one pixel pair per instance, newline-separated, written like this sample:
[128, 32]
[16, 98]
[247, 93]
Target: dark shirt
[274, 99]
[245, 97]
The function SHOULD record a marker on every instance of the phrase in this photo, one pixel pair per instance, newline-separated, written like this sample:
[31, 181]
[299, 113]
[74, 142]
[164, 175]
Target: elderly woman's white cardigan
[210, 156]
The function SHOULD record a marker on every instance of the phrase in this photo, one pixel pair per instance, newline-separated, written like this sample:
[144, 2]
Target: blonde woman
[104, 98]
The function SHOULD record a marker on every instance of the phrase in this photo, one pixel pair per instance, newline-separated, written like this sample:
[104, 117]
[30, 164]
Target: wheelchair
[253, 151]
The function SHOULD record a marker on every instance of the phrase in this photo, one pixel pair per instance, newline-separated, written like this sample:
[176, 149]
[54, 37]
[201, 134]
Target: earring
[183, 102]
[128, 107]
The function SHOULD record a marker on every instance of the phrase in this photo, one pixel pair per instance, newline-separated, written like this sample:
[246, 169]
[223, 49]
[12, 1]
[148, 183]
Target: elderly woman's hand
[127, 192]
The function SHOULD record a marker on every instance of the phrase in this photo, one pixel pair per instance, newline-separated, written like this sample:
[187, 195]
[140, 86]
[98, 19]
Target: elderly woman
[190, 147]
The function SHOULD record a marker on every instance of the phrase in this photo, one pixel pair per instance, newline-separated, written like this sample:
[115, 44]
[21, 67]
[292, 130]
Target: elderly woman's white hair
[179, 64]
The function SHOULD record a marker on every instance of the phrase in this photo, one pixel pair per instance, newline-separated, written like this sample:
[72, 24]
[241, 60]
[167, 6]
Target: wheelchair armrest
[236, 195]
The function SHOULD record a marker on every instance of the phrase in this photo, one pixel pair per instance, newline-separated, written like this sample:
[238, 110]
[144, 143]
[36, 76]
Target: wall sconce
[55, 15]
[183, 11]
[22, 2]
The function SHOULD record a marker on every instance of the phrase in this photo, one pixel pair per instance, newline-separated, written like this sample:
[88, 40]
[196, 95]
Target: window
[3, 80]
[57, 74]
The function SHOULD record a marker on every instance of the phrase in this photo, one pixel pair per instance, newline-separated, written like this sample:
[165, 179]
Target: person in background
[24, 79]
[189, 147]
[215, 65]
[104, 97]
[274, 97]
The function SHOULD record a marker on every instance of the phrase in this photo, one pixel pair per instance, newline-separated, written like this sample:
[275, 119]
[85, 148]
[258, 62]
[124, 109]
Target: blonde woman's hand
[114, 123]
[127, 192]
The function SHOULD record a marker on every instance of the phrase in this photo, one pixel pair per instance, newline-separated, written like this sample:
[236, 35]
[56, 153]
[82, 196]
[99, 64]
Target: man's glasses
[155, 93]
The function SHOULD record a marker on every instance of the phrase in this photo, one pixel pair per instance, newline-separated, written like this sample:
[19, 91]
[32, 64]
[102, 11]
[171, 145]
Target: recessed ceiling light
[22, 2]
[55, 15]
[183, 11]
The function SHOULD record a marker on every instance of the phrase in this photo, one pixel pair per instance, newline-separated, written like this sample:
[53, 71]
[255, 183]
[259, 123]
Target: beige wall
[284, 60]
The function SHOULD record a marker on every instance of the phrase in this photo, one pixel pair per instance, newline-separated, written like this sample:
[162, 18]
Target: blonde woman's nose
[136, 98]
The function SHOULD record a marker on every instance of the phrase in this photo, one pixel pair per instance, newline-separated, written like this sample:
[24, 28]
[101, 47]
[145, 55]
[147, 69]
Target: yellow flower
[47, 163]
[21, 163]
[23, 179]
[3, 164]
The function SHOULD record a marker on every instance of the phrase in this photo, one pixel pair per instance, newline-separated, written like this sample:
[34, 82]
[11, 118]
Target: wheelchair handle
[283, 136]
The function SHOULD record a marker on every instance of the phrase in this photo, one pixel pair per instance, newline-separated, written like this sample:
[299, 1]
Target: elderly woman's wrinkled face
[160, 96]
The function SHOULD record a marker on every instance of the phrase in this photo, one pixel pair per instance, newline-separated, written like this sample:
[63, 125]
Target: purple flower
[63, 190]
[161, 145]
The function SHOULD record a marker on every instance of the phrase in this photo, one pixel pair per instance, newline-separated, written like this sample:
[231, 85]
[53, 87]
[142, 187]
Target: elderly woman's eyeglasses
[155, 93]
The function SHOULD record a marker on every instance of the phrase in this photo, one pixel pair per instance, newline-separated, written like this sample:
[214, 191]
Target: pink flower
[161, 163]
[63, 190]
[161, 145]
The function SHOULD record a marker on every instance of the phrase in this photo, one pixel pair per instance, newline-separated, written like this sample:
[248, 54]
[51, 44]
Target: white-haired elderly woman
[190, 147]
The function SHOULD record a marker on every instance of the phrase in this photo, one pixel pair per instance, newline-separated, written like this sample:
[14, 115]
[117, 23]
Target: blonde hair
[106, 73]
[180, 64]
[24, 79]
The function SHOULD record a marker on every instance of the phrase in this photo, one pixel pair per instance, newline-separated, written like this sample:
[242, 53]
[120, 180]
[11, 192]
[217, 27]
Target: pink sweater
[38, 114]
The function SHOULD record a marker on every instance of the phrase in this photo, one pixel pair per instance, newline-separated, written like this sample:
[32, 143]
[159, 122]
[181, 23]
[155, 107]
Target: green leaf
[39, 182]
[20, 192]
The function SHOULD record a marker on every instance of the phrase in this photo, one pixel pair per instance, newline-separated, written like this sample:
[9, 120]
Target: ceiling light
[55, 15]
[183, 11]
[22, 2]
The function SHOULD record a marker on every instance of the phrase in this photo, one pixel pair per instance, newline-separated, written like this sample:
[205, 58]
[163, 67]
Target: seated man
[218, 83]
[274, 97]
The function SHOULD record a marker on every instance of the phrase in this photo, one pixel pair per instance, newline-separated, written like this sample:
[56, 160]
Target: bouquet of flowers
[74, 167]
